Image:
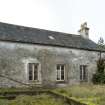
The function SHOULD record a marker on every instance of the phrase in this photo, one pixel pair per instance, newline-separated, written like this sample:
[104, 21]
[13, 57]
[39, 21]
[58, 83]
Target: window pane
[62, 74]
[58, 74]
[80, 72]
[58, 67]
[30, 71]
[35, 72]
[62, 67]
[84, 73]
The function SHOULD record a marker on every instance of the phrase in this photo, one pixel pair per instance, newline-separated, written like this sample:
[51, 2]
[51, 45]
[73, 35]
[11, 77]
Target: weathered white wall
[15, 56]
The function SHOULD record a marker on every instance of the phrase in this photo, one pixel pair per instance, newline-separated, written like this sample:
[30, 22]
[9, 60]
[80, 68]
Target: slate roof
[16, 33]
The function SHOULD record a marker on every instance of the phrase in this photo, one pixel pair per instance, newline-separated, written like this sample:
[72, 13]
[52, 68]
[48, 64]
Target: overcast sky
[57, 15]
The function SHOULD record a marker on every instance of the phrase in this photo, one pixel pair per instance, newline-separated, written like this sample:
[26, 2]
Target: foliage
[100, 66]
[101, 44]
[99, 76]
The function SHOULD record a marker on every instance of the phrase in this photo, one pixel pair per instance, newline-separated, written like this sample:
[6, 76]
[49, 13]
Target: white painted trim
[60, 72]
[26, 63]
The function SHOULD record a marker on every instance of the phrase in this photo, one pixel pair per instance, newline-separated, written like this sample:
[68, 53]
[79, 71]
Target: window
[33, 71]
[51, 37]
[83, 72]
[60, 72]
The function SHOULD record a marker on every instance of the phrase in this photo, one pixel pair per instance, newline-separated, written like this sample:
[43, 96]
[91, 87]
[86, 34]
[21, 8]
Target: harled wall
[14, 58]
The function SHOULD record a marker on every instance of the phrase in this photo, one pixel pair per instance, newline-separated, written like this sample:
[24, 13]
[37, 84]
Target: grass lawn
[91, 94]
[43, 99]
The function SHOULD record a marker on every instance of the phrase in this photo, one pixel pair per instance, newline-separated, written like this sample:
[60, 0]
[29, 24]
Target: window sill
[34, 82]
[82, 81]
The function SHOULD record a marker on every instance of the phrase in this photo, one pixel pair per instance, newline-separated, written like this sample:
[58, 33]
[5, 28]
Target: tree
[101, 45]
[99, 76]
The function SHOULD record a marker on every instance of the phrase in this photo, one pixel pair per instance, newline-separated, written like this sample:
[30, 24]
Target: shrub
[100, 66]
[99, 76]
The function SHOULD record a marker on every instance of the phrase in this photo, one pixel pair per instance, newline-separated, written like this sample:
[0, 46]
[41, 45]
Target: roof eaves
[88, 49]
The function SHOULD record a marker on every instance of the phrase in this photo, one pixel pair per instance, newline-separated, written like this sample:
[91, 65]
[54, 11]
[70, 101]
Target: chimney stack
[84, 31]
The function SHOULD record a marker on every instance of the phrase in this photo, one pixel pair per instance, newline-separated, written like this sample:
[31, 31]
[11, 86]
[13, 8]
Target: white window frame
[33, 64]
[60, 72]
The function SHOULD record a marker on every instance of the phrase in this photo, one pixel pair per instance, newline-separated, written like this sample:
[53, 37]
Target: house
[37, 57]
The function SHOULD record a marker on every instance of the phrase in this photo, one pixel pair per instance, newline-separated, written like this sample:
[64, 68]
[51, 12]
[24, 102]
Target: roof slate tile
[10, 32]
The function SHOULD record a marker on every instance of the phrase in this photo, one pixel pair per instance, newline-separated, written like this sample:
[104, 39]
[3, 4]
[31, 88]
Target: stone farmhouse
[37, 57]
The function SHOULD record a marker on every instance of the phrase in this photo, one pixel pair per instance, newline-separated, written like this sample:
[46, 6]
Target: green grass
[90, 94]
[36, 100]
[43, 99]
[2, 90]
[4, 102]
